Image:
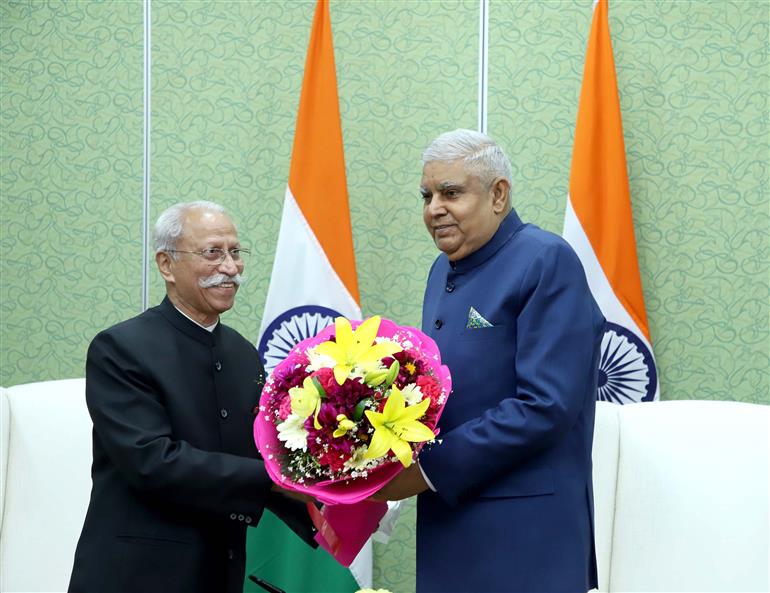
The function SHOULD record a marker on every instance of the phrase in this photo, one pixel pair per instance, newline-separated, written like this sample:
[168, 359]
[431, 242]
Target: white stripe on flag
[361, 567]
[302, 274]
[611, 307]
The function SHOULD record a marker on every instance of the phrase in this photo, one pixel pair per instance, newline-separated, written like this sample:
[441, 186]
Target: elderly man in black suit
[172, 394]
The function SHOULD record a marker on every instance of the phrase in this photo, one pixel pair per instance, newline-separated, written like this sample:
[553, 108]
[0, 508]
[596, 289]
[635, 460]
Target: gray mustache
[219, 279]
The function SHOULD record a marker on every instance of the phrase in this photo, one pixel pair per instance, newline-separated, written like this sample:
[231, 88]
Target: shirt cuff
[425, 477]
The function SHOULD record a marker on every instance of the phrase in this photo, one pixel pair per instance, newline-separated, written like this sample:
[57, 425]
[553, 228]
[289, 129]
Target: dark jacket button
[218, 365]
[450, 286]
[223, 413]
[438, 324]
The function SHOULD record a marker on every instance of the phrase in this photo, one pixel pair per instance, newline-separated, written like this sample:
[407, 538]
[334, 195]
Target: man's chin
[221, 300]
[448, 247]
[220, 308]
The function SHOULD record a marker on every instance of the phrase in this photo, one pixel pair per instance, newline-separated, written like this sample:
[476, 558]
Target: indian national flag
[599, 226]
[313, 282]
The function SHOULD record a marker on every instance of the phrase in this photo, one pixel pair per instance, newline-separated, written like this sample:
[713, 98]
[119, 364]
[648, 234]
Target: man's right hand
[292, 494]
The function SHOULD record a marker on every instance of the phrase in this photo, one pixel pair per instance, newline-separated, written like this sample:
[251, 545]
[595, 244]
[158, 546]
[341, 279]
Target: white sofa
[681, 491]
[681, 496]
[45, 470]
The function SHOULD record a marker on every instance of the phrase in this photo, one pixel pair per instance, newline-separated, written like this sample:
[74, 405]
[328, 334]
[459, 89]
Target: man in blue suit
[505, 500]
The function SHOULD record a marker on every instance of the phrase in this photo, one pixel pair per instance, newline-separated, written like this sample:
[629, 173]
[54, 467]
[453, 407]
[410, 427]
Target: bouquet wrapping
[347, 410]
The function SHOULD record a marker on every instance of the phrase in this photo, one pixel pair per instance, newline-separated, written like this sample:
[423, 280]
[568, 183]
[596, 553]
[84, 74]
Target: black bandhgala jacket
[176, 476]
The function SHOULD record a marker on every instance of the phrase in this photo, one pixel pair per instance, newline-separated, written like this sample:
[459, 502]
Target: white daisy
[412, 394]
[292, 432]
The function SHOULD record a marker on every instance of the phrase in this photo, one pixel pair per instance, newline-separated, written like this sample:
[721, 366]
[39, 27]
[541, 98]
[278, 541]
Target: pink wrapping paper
[344, 528]
[343, 491]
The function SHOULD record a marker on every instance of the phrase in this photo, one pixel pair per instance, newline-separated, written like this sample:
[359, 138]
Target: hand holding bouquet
[349, 408]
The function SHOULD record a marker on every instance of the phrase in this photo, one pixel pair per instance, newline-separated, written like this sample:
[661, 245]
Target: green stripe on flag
[275, 554]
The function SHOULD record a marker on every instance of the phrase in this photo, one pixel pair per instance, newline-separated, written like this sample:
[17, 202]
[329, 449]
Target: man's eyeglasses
[214, 255]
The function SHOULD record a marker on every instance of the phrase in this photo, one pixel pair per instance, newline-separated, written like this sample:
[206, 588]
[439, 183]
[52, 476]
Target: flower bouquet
[348, 409]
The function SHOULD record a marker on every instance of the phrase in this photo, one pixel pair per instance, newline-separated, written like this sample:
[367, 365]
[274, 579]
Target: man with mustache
[172, 394]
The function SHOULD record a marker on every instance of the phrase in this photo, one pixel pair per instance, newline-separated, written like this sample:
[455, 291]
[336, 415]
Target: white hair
[170, 224]
[482, 156]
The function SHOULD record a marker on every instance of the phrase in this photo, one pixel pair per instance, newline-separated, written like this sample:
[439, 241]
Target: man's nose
[228, 266]
[436, 207]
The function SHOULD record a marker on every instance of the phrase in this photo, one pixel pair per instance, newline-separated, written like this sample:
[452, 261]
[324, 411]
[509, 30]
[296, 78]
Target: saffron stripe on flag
[599, 225]
[317, 173]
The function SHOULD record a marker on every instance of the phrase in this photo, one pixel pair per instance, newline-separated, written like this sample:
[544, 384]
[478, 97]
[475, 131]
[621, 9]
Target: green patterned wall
[693, 79]
[70, 180]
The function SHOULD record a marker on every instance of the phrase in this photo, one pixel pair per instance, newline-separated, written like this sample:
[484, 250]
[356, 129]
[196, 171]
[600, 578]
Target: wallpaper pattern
[693, 79]
[70, 181]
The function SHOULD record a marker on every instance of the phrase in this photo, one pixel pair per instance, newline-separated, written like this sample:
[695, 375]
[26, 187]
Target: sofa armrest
[5, 420]
[47, 484]
[691, 511]
[605, 477]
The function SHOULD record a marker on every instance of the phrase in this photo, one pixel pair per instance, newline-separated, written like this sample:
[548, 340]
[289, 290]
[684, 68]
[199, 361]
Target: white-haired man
[172, 394]
[506, 501]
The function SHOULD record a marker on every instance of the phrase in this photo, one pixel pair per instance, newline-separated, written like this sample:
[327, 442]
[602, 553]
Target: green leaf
[360, 407]
[318, 387]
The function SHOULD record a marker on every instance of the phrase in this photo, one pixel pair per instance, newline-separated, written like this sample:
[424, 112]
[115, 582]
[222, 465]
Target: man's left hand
[407, 483]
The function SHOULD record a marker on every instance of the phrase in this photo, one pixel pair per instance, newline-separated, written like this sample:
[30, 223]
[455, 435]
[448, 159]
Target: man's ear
[163, 260]
[500, 189]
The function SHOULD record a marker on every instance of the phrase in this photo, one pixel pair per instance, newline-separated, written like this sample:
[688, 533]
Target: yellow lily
[306, 400]
[353, 348]
[345, 424]
[396, 426]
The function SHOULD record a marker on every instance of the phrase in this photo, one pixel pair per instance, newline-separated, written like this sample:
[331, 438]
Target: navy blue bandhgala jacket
[517, 325]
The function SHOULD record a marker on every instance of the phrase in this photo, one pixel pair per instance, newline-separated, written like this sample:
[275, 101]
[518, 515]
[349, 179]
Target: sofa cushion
[691, 508]
[48, 484]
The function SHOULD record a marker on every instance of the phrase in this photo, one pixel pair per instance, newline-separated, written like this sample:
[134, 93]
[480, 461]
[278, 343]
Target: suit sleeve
[132, 425]
[556, 335]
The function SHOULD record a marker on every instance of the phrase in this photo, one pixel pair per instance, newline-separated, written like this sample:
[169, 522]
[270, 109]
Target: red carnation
[430, 387]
